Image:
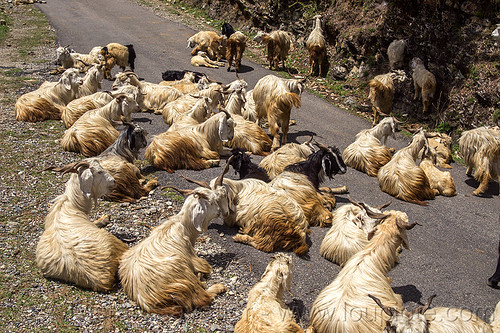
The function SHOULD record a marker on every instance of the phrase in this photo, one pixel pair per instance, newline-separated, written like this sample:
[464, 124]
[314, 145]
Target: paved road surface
[453, 253]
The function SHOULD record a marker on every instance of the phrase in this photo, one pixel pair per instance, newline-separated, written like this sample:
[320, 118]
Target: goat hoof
[493, 283]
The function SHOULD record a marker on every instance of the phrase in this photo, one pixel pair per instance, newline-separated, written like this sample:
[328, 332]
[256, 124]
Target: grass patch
[172, 195]
[4, 29]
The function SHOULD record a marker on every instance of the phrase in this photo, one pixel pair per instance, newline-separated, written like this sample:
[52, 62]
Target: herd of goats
[273, 204]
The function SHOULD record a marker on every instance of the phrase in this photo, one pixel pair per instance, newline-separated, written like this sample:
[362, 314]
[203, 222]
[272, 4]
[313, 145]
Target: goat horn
[384, 205]
[412, 225]
[197, 182]
[321, 146]
[374, 215]
[237, 76]
[354, 202]
[423, 308]
[308, 142]
[72, 167]
[388, 310]
[83, 62]
[218, 181]
[185, 193]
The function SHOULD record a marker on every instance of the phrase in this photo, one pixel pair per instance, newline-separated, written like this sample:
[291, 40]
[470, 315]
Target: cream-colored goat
[424, 83]
[201, 59]
[91, 81]
[402, 178]
[206, 41]
[247, 135]
[174, 109]
[274, 98]
[368, 152]
[95, 130]
[343, 306]
[155, 96]
[316, 45]
[353, 226]
[72, 248]
[480, 148]
[162, 273]
[275, 163]
[195, 147]
[278, 44]
[440, 181]
[381, 95]
[199, 113]
[265, 310]
[47, 103]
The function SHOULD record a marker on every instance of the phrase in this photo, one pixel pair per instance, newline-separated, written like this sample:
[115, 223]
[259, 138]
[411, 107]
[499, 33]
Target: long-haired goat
[247, 135]
[316, 45]
[155, 96]
[274, 100]
[368, 152]
[275, 163]
[301, 181]
[201, 59]
[118, 160]
[95, 130]
[47, 103]
[196, 147]
[91, 82]
[268, 219]
[353, 226]
[396, 53]
[206, 41]
[440, 181]
[121, 55]
[441, 143]
[171, 111]
[402, 178]
[162, 273]
[343, 306]
[381, 95]
[199, 113]
[72, 248]
[480, 148]
[68, 58]
[424, 83]
[436, 320]
[265, 310]
[278, 44]
[235, 46]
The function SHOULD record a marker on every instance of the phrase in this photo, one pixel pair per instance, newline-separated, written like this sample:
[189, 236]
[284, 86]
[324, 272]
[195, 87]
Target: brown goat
[235, 46]
[381, 95]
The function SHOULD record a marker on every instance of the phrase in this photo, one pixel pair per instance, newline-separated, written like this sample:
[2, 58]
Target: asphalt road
[452, 254]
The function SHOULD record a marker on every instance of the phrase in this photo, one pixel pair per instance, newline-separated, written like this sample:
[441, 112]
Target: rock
[339, 72]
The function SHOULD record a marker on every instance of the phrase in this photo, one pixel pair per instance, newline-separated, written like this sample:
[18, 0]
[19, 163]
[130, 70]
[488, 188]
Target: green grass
[4, 29]
[172, 195]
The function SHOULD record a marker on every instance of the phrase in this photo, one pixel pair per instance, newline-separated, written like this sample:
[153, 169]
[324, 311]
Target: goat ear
[86, 178]
[66, 82]
[198, 214]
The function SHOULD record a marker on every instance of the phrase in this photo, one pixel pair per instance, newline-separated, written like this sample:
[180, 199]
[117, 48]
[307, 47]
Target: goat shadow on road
[409, 293]
[243, 69]
[493, 188]
[292, 136]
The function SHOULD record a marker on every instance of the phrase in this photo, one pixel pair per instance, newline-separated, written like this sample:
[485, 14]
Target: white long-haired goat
[265, 310]
[343, 306]
[276, 162]
[316, 45]
[368, 152]
[440, 181]
[353, 226]
[274, 98]
[402, 178]
[72, 248]
[195, 147]
[95, 130]
[278, 44]
[480, 148]
[162, 273]
[48, 102]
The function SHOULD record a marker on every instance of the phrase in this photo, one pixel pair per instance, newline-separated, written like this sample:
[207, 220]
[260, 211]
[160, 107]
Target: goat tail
[131, 56]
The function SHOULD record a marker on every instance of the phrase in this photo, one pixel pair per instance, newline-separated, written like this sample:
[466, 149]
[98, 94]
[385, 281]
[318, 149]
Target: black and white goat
[227, 30]
[301, 181]
[243, 165]
[118, 160]
[175, 75]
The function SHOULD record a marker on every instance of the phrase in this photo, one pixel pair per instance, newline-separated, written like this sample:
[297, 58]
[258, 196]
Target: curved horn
[83, 62]
[184, 192]
[237, 76]
[197, 182]
[72, 167]
[320, 145]
[423, 308]
[355, 203]
[388, 310]
[308, 142]
[384, 205]
[372, 214]
[218, 181]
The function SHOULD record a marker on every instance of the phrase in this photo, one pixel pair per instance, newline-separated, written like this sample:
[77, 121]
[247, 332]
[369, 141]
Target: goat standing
[316, 45]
